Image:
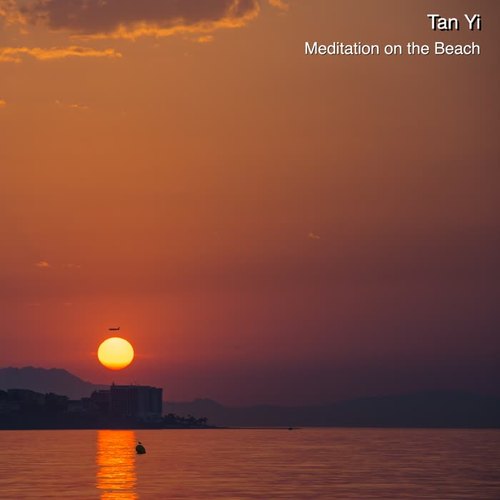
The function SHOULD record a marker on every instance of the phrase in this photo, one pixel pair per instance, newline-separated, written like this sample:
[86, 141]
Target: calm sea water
[250, 464]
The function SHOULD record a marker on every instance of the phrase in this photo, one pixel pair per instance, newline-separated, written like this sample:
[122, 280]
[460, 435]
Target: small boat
[140, 450]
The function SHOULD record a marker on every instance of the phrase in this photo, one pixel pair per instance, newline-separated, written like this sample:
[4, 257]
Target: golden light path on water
[116, 475]
[253, 464]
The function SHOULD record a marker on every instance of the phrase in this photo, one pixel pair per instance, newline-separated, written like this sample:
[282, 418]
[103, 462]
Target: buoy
[140, 450]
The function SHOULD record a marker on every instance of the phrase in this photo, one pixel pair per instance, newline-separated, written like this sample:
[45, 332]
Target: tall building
[133, 401]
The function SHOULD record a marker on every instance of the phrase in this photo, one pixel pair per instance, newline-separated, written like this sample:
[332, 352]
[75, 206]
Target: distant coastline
[116, 427]
[48, 410]
[118, 407]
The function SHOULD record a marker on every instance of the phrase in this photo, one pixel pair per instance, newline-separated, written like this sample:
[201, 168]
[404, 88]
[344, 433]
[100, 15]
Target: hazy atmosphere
[264, 227]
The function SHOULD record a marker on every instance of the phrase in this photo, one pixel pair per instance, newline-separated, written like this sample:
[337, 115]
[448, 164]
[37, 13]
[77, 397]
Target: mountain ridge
[436, 409]
[45, 380]
[440, 409]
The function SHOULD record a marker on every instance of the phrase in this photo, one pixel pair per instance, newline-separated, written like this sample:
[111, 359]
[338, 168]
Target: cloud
[3, 103]
[205, 39]
[10, 12]
[314, 236]
[279, 4]
[73, 106]
[17, 54]
[79, 107]
[121, 19]
[43, 264]
[72, 266]
[132, 18]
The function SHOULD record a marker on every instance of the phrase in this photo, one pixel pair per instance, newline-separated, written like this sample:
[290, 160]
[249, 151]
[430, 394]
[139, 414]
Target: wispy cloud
[43, 264]
[279, 4]
[130, 19]
[78, 107]
[72, 266]
[72, 106]
[205, 39]
[10, 11]
[122, 19]
[17, 54]
[314, 236]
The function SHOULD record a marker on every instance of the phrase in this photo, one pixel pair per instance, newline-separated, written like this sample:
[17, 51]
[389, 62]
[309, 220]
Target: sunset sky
[264, 226]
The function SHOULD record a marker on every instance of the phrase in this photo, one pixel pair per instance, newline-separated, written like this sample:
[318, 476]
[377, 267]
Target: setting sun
[115, 353]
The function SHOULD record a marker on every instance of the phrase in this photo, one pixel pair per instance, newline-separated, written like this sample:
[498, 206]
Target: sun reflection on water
[116, 476]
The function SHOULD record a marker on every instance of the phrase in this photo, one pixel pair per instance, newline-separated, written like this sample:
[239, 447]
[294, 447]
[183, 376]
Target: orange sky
[264, 226]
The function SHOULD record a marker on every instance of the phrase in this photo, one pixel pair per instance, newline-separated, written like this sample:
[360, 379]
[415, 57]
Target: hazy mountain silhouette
[45, 380]
[425, 409]
[429, 409]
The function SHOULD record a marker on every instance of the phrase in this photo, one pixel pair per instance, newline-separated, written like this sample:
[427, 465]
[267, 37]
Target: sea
[251, 464]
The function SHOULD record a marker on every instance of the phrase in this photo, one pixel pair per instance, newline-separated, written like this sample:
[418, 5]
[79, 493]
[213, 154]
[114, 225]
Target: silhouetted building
[120, 407]
[56, 403]
[100, 401]
[133, 401]
[7, 404]
[137, 401]
[25, 396]
[78, 405]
